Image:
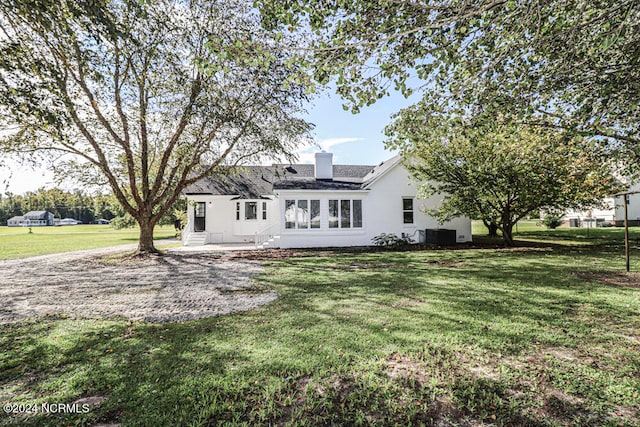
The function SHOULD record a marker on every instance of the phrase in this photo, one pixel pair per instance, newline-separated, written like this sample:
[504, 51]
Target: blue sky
[353, 138]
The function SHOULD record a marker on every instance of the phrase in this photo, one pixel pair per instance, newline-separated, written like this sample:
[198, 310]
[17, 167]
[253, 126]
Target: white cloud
[326, 144]
[306, 154]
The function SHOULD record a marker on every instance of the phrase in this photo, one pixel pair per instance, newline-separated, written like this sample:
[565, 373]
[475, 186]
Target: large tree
[500, 172]
[570, 64]
[146, 97]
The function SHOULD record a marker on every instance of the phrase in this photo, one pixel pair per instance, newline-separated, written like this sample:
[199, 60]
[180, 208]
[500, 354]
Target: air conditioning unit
[441, 236]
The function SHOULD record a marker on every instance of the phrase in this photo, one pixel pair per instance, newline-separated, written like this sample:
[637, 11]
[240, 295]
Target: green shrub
[552, 221]
[390, 239]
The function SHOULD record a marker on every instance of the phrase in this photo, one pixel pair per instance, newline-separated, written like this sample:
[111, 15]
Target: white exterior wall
[382, 212]
[387, 194]
[221, 225]
[606, 213]
[633, 207]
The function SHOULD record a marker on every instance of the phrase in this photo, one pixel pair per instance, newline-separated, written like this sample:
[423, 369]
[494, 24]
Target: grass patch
[531, 231]
[16, 242]
[534, 337]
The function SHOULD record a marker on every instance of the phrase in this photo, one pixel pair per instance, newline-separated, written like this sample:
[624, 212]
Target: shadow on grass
[320, 354]
[516, 300]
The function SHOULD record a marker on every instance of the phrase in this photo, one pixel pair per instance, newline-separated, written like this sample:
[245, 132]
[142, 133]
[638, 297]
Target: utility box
[422, 237]
[441, 236]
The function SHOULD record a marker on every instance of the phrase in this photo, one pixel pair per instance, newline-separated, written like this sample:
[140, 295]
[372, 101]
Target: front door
[200, 216]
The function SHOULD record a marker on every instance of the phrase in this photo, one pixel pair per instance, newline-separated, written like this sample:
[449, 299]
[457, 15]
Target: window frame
[333, 224]
[353, 213]
[315, 225]
[295, 203]
[247, 210]
[406, 211]
[339, 203]
[345, 208]
[287, 204]
[302, 209]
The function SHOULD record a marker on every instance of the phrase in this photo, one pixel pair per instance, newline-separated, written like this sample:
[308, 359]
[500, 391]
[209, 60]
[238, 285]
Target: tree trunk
[493, 229]
[507, 235]
[145, 245]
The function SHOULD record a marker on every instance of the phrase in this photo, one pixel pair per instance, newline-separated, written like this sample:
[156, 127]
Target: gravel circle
[171, 288]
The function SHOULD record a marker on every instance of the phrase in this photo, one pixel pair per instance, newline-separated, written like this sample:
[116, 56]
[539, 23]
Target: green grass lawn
[536, 336]
[478, 227]
[531, 231]
[16, 242]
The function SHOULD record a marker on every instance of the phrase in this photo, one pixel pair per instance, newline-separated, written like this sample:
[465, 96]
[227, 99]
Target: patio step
[196, 239]
[272, 243]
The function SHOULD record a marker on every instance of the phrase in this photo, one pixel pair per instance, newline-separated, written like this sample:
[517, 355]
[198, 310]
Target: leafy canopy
[570, 64]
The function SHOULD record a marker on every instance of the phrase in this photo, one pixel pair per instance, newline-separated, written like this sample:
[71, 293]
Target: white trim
[246, 202]
[322, 191]
[389, 169]
[324, 232]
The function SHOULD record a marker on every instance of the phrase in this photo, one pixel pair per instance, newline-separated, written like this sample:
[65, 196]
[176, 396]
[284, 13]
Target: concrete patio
[214, 247]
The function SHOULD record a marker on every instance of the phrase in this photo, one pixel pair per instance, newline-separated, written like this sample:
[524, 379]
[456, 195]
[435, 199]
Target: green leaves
[547, 60]
[499, 171]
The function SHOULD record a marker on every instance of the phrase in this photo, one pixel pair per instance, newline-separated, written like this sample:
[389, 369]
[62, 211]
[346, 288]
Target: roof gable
[381, 170]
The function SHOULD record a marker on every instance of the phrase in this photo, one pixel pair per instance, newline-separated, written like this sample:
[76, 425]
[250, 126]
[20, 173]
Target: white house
[305, 205]
[633, 207]
[32, 219]
[15, 221]
[612, 211]
[595, 217]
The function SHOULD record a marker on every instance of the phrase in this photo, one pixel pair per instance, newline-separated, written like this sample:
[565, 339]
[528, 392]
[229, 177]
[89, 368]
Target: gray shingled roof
[248, 182]
[316, 184]
[353, 173]
[36, 214]
[252, 182]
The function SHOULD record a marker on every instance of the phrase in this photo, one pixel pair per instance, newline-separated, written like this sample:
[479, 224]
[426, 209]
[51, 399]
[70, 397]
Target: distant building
[32, 219]
[15, 221]
[67, 221]
[633, 207]
[604, 215]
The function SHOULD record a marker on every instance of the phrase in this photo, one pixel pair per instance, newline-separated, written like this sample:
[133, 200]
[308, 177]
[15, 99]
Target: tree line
[78, 205]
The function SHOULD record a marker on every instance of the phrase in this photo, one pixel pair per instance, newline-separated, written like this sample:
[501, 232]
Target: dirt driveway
[176, 287]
